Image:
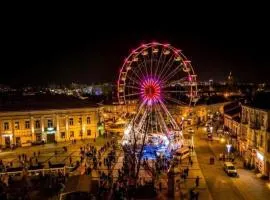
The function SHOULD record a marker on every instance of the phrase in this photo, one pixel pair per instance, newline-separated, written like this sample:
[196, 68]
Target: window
[88, 132]
[50, 123]
[81, 133]
[88, 121]
[80, 120]
[71, 133]
[71, 121]
[261, 141]
[6, 125]
[17, 125]
[262, 120]
[27, 124]
[63, 135]
[63, 122]
[37, 124]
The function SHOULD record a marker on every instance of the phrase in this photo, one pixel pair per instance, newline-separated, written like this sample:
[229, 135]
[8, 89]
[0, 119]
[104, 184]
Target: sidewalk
[194, 171]
[99, 142]
[189, 183]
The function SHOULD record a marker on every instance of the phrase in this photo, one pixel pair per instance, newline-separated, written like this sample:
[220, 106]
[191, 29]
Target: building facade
[255, 138]
[232, 124]
[25, 127]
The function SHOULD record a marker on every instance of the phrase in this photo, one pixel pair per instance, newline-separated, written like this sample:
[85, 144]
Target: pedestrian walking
[197, 181]
[70, 160]
[189, 159]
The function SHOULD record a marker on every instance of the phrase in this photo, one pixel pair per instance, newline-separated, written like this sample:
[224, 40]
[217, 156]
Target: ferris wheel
[155, 75]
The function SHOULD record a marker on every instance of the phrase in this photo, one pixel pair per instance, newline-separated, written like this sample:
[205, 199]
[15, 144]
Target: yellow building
[256, 144]
[23, 127]
[195, 114]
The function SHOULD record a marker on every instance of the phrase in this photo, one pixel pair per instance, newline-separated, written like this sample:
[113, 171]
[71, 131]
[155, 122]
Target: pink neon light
[151, 91]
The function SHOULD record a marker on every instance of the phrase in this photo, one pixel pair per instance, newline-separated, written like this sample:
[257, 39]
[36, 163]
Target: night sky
[61, 50]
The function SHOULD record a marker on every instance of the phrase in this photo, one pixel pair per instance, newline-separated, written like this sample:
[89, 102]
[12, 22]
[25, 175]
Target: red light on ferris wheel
[143, 45]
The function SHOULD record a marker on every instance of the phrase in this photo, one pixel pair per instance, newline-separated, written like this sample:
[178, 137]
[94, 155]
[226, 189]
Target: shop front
[249, 158]
[7, 140]
[260, 162]
[50, 134]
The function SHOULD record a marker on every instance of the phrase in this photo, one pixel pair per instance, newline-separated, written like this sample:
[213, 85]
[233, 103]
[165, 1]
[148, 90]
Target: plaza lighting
[229, 146]
[260, 156]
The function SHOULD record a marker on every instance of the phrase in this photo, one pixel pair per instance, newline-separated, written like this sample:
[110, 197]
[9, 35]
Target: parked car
[230, 169]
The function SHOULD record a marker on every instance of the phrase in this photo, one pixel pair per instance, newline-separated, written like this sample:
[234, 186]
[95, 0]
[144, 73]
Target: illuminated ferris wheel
[156, 75]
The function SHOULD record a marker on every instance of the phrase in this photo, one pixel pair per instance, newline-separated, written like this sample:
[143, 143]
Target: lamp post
[228, 148]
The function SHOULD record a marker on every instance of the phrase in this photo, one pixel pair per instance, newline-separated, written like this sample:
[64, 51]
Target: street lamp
[228, 148]
[211, 129]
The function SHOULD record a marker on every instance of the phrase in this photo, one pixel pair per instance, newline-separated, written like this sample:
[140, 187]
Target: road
[221, 186]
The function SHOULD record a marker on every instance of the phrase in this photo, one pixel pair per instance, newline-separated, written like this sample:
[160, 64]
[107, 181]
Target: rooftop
[234, 111]
[42, 102]
[261, 100]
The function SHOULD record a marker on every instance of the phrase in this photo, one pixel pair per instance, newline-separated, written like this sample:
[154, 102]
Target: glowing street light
[229, 146]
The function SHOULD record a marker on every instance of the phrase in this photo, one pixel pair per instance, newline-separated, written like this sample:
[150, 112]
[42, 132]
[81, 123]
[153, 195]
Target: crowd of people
[101, 161]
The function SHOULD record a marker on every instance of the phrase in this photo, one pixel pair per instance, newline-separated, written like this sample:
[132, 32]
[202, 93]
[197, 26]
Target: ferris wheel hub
[151, 91]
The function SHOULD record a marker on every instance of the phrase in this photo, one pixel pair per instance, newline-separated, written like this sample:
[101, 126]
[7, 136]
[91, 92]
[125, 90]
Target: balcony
[254, 126]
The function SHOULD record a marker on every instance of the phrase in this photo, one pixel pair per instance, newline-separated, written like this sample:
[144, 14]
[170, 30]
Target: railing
[43, 171]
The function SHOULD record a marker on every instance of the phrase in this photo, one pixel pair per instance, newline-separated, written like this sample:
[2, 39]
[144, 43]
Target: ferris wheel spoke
[145, 63]
[140, 73]
[164, 67]
[157, 67]
[137, 75]
[133, 94]
[173, 122]
[167, 67]
[172, 73]
[161, 120]
[152, 60]
[133, 87]
[133, 79]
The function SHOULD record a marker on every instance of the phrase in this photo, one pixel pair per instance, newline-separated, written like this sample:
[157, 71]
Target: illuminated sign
[50, 130]
[228, 147]
[259, 156]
